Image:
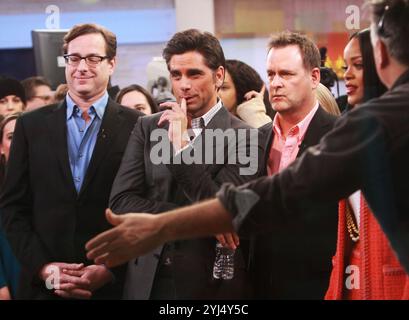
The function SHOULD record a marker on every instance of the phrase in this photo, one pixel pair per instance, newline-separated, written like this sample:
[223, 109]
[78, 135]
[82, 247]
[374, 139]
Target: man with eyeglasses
[63, 160]
[38, 92]
[368, 149]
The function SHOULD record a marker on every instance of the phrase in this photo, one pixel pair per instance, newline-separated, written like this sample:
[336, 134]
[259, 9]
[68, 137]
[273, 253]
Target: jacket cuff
[238, 201]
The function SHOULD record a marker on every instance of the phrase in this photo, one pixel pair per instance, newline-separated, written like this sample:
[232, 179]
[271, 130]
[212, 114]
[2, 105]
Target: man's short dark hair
[89, 28]
[391, 18]
[309, 51]
[31, 83]
[194, 40]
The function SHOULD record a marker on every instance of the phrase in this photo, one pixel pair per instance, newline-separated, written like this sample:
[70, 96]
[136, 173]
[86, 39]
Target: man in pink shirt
[294, 263]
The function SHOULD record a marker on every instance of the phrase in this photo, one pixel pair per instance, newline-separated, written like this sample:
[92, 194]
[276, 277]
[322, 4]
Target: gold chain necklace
[351, 226]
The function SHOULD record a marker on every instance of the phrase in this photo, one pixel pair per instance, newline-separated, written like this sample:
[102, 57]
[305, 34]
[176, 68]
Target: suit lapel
[221, 120]
[57, 125]
[111, 122]
[267, 136]
[317, 128]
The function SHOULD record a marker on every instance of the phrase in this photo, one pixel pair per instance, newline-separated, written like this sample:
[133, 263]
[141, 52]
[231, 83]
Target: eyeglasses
[381, 23]
[92, 61]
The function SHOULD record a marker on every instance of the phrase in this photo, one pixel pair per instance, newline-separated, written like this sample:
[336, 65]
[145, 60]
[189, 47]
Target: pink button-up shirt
[284, 149]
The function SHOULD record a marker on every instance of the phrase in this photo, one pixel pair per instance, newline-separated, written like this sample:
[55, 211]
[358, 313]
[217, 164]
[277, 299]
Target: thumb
[113, 218]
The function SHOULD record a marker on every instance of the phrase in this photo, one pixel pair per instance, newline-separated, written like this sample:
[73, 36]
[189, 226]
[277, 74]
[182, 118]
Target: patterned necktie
[196, 124]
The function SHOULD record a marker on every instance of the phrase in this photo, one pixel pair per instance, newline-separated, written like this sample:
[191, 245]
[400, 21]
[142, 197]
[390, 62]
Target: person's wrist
[109, 274]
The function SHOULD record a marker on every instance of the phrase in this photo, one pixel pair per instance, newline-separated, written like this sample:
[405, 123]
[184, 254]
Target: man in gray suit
[158, 171]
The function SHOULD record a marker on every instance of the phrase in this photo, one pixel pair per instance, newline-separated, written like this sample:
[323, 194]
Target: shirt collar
[99, 105]
[208, 116]
[300, 127]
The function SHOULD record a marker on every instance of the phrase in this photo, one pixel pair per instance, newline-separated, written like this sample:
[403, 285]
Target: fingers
[236, 239]
[165, 117]
[75, 273]
[115, 259]
[70, 266]
[231, 243]
[230, 240]
[177, 113]
[253, 94]
[167, 105]
[183, 106]
[250, 95]
[74, 294]
[102, 259]
[97, 250]
[107, 248]
[101, 239]
[65, 278]
[221, 239]
[168, 116]
[67, 286]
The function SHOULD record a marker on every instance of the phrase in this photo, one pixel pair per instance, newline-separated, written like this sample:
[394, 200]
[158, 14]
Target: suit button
[167, 262]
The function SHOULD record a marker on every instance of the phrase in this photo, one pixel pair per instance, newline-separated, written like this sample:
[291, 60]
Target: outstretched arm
[135, 234]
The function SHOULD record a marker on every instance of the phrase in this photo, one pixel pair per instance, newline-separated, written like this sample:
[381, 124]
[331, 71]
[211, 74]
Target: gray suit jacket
[142, 186]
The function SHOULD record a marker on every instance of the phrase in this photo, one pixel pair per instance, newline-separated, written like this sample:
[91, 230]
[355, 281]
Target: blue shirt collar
[98, 105]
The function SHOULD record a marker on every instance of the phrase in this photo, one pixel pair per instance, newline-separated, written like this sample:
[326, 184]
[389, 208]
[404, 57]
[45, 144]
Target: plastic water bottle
[223, 267]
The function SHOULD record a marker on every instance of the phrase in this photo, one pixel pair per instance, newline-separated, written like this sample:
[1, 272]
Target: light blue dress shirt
[82, 136]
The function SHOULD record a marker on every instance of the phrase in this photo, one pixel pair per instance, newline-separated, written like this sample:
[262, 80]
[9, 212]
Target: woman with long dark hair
[365, 266]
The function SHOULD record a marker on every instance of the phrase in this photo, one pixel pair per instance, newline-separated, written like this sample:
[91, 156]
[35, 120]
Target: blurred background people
[12, 96]
[38, 92]
[60, 93]
[9, 267]
[327, 100]
[138, 98]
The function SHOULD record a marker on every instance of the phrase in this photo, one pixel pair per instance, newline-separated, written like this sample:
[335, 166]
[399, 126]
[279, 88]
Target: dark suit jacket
[142, 186]
[294, 262]
[44, 217]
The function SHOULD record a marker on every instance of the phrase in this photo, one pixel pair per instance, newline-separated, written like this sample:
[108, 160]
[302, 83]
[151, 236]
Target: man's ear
[315, 77]
[112, 64]
[219, 77]
[383, 54]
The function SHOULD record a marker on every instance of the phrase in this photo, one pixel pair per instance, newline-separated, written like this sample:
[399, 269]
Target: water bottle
[223, 267]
